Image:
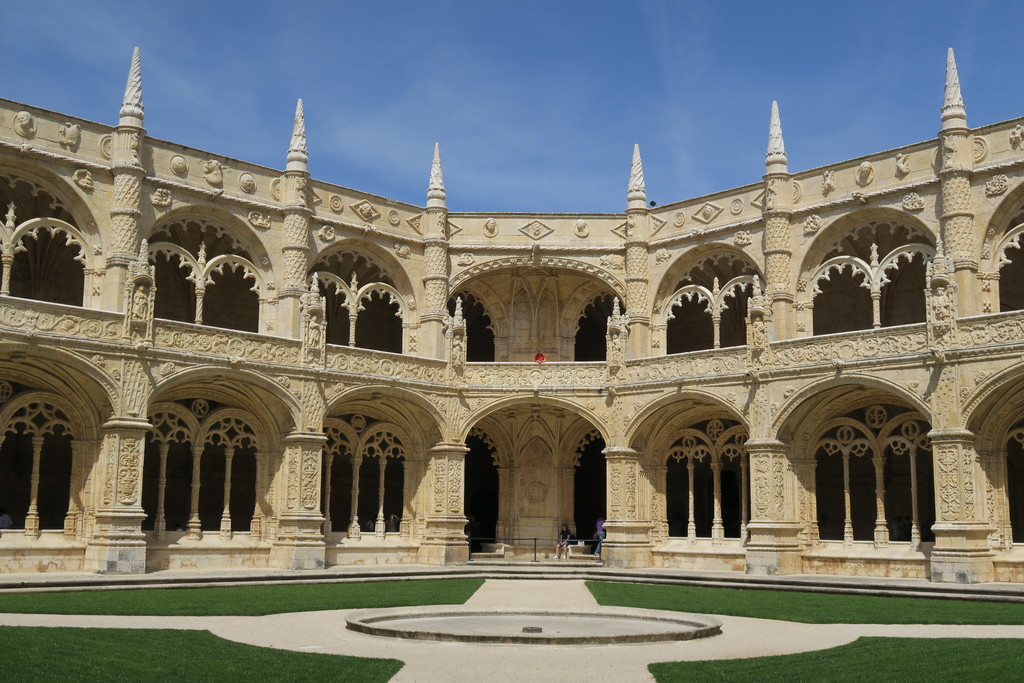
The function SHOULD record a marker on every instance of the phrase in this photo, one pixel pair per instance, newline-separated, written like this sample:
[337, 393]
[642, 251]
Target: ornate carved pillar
[295, 248]
[299, 542]
[225, 517]
[444, 539]
[629, 534]
[117, 544]
[32, 517]
[717, 528]
[659, 504]
[777, 212]
[691, 523]
[354, 532]
[128, 175]
[774, 545]
[957, 220]
[160, 523]
[435, 263]
[195, 528]
[881, 528]
[379, 527]
[638, 235]
[961, 553]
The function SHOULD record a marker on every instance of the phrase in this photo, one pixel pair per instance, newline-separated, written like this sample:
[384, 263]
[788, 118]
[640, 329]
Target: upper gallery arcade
[208, 363]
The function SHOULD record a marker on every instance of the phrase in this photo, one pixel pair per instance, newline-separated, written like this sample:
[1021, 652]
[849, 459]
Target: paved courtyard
[325, 632]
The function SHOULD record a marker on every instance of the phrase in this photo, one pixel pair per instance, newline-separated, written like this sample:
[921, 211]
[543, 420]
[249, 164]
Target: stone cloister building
[208, 363]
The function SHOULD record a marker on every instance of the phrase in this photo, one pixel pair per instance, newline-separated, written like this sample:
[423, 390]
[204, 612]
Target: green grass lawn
[880, 659]
[244, 600]
[810, 608]
[108, 654]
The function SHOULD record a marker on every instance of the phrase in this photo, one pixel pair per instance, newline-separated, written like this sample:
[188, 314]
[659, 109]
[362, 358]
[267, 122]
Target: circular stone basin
[604, 625]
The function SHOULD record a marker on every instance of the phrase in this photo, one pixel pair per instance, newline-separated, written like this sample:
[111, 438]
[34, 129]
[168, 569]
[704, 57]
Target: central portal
[530, 469]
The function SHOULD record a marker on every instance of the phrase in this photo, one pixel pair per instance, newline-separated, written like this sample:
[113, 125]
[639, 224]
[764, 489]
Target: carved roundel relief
[275, 189]
[679, 219]
[736, 207]
[491, 228]
[6, 391]
[247, 183]
[536, 492]
[358, 423]
[394, 218]
[178, 165]
[106, 146]
[200, 408]
[336, 203]
[980, 149]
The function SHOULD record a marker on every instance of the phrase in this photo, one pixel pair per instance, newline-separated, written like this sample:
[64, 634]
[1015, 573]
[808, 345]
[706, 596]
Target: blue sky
[536, 104]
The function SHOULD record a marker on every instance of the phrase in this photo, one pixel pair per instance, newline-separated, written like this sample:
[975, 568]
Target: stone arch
[276, 411]
[617, 286]
[652, 417]
[785, 425]
[41, 460]
[865, 269]
[210, 269]
[370, 300]
[396, 404]
[1001, 271]
[463, 428]
[83, 213]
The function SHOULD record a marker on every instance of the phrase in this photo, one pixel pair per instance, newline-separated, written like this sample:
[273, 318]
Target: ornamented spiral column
[628, 543]
[957, 219]
[444, 539]
[435, 264]
[638, 231]
[128, 174]
[777, 213]
[297, 213]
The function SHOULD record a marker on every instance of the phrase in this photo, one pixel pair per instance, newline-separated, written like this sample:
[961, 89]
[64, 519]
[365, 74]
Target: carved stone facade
[207, 363]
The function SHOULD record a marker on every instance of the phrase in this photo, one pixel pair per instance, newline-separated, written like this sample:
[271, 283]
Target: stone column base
[298, 555]
[299, 544]
[628, 545]
[445, 542]
[774, 548]
[962, 554]
[117, 546]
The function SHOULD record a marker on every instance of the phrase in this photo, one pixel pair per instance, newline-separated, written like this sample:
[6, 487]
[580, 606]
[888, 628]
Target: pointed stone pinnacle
[131, 107]
[953, 103]
[636, 192]
[298, 157]
[776, 147]
[435, 190]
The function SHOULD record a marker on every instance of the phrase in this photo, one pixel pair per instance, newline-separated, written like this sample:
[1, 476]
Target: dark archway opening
[341, 491]
[479, 335]
[1015, 488]
[902, 301]
[1011, 280]
[690, 329]
[230, 302]
[590, 491]
[378, 325]
[843, 304]
[46, 269]
[394, 482]
[592, 330]
[482, 494]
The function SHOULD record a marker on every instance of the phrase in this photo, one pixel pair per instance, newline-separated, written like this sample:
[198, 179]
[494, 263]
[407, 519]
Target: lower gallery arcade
[226, 479]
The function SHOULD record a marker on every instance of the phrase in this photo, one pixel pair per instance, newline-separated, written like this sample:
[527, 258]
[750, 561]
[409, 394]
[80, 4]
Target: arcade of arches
[212, 365]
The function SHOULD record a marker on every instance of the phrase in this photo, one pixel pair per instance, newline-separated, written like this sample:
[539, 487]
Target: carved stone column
[436, 265]
[777, 212]
[961, 553]
[296, 228]
[117, 544]
[126, 143]
[444, 539]
[957, 220]
[299, 543]
[629, 532]
[638, 235]
[774, 545]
